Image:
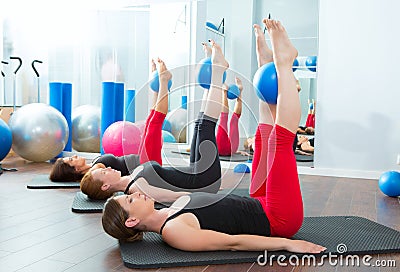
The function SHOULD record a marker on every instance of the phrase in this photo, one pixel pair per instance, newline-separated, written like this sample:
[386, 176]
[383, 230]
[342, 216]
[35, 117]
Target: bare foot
[217, 57]
[153, 65]
[206, 49]
[284, 52]
[238, 82]
[264, 53]
[163, 73]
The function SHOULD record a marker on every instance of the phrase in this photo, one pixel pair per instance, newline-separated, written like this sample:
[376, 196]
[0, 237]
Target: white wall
[358, 96]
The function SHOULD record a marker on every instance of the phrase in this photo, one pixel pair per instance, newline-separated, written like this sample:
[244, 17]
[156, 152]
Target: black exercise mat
[237, 157]
[304, 158]
[43, 182]
[83, 204]
[339, 234]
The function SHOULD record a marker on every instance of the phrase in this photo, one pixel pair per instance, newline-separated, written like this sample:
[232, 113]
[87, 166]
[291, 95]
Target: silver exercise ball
[86, 128]
[178, 120]
[39, 132]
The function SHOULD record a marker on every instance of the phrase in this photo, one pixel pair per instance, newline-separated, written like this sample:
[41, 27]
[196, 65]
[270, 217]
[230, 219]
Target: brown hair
[113, 221]
[62, 171]
[92, 187]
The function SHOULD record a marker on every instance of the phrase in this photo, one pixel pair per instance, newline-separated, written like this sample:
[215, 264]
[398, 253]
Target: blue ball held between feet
[265, 81]
[311, 63]
[241, 168]
[233, 91]
[204, 75]
[155, 82]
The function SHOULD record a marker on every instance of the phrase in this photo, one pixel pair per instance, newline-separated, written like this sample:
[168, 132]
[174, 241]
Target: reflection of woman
[310, 123]
[75, 167]
[166, 183]
[203, 222]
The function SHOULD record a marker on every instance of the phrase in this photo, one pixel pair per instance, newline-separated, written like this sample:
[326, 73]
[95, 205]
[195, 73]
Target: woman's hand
[300, 246]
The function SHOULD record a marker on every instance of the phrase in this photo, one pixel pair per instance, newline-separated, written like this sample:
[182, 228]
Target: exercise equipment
[38, 78]
[43, 182]
[389, 183]
[339, 234]
[178, 120]
[130, 106]
[295, 64]
[86, 128]
[265, 81]
[168, 137]
[167, 126]
[233, 91]
[311, 63]
[39, 132]
[121, 138]
[119, 92]
[155, 82]
[141, 125]
[15, 81]
[241, 168]
[5, 139]
[107, 109]
[4, 82]
[204, 75]
[211, 25]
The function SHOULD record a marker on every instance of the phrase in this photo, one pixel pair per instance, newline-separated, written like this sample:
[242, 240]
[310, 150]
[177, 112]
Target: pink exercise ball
[121, 138]
[141, 126]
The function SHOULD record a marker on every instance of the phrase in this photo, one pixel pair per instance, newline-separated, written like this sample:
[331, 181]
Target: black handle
[2, 73]
[20, 63]
[33, 66]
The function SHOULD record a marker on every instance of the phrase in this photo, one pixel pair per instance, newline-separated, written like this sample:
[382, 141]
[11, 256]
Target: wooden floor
[39, 232]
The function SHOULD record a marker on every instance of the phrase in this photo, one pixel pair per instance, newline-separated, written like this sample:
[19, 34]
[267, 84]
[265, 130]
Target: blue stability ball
[155, 82]
[204, 76]
[5, 139]
[167, 126]
[389, 183]
[265, 82]
[295, 65]
[311, 63]
[233, 91]
[241, 168]
[211, 25]
[168, 137]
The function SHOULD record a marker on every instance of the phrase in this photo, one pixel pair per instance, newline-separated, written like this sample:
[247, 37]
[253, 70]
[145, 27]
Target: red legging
[310, 120]
[275, 181]
[151, 142]
[228, 145]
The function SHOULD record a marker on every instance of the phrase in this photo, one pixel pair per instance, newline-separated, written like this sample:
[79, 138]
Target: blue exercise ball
[5, 139]
[168, 137]
[295, 65]
[167, 126]
[265, 81]
[241, 168]
[389, 183]
[311, 63]
[204, 76]
[211, 25]
[233, 91]
[155, 82]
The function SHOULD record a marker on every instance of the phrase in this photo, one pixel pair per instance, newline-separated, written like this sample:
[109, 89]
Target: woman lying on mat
[228, 140]
[203, 222]
[75, 167]
[166, 184]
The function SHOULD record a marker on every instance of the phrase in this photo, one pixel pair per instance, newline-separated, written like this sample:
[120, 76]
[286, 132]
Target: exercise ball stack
[121, 138]
[39, 132]
[86, 128]
[5, 139]
[389, 183]
[265, 81]
[178, 120]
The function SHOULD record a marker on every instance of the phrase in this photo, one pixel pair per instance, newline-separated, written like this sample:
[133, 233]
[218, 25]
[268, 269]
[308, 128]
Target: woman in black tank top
[202, 221]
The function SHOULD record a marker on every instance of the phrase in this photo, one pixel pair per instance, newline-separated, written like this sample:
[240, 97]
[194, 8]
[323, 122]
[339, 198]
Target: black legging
[204, 172]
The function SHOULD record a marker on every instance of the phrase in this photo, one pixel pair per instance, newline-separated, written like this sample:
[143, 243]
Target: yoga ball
[86, 128]
[265, 82]
[141, 125]
[167, 126]
[204, 75]
[295, 65]
[311, 63]
[233, 92]
[389, 183]
[39, 132]
[178, 120]
[155, 82]
[241, 168]
[168, 137]
[121, 138]
[5, 139]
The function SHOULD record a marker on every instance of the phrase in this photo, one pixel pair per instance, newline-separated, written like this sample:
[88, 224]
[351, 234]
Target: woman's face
[137, 204]
[75, 161]
[106, 175]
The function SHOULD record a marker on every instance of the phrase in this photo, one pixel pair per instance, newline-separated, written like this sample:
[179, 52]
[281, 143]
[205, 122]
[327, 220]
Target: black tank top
[126, 164]
[230, 214]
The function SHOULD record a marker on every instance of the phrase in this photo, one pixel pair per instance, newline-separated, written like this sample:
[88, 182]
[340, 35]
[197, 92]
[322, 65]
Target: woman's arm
[158, 194]
[183, 235]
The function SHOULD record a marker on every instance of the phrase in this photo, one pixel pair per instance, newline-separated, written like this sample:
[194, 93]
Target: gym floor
[39, 232]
